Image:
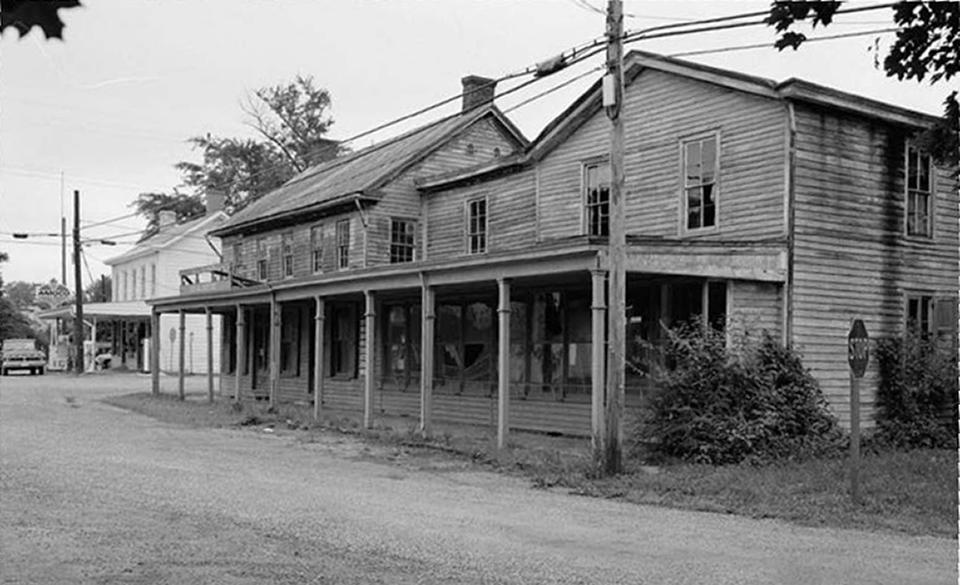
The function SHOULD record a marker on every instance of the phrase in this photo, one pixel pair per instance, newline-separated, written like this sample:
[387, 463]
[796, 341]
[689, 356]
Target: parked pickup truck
[21, 354]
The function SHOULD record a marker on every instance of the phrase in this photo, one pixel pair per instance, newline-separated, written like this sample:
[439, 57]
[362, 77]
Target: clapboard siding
[482, 142]
[510, 216]
[755, 307]
[851, 259]
[661, 110]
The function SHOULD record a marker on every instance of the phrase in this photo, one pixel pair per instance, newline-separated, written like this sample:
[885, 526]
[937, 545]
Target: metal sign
[52, 295]
[858, 348]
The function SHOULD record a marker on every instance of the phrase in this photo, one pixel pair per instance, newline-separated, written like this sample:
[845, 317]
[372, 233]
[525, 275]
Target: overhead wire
[767, 45]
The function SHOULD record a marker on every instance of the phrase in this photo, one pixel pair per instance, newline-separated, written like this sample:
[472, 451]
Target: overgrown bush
[917, 392]
[712, 405]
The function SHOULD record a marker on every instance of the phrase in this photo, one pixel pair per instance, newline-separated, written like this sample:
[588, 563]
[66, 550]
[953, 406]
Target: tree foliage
[291, 122]
[23, 15]
[99, 291]
[149, 205]
[13, 323]
[927, 47]
[20, 293]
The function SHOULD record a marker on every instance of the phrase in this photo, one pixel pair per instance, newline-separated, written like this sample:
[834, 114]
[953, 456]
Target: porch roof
[119, 309]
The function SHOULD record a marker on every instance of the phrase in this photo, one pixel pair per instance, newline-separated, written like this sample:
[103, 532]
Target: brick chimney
[477, 91]
[166, 218]
[215, 200]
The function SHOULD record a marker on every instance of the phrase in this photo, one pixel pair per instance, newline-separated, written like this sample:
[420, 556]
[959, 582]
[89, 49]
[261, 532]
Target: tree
[23, 15]
[20, 294]
[149, 205]
[927, 46]
[291, 121]
[12, 323]
[100, 291]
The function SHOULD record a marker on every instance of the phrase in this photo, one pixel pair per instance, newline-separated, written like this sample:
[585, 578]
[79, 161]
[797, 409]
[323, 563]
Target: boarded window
[262, 259]
[477, 226]
[237, 267]
[700, 182]
[344, 347]
[919, 198]
[597, 199]
[316, 248]
[401, 240]
[290, 340]
[343, 244]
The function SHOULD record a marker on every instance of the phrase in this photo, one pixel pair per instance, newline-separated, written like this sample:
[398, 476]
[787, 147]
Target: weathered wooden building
[458, 272]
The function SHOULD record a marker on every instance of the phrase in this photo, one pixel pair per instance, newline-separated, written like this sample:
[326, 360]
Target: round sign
[858, 348]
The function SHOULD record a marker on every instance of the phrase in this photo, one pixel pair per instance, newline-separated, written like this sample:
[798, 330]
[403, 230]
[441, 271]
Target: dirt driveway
[93, 494]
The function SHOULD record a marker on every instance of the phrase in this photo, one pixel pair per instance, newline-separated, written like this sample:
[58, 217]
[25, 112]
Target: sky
[108, 110]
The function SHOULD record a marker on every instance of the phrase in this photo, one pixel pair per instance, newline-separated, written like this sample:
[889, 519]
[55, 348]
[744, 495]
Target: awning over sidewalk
[124, 309]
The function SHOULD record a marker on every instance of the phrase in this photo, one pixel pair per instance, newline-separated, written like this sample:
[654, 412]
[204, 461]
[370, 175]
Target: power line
[96, 223]
[768, 45]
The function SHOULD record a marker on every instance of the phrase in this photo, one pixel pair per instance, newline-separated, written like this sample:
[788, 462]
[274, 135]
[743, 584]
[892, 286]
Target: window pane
[693, 163]
[708, 163]
[923, 173]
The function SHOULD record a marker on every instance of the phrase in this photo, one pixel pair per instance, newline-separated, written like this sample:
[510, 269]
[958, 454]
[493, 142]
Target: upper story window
[286, 243]
[143, 282]
[316, 248]
[477, 225]
[153, 280]
[343, 244]
[401, 240]
[919, 194]
[597, 199]
[126, 285]
[261, 259]
[237, 266]
[700, 182]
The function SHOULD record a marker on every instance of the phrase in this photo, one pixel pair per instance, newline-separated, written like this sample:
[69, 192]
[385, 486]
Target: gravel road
[93, 494]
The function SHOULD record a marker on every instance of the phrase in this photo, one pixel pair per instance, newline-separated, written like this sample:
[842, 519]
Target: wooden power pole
[612, 448]
[78, 286]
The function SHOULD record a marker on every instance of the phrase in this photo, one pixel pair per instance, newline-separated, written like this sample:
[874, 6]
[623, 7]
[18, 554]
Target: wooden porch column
[427, 322]
[183, 328]
[503, 364]
[370, 324]
[318, 373]
[598, 309]
[154, 352]
[274, 353]
[209, 355]
[240, 347]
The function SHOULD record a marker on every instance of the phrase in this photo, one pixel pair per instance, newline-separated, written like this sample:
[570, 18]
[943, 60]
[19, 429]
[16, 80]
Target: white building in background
[152, 269]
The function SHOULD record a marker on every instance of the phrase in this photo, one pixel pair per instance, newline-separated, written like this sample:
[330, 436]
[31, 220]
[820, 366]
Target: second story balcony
[212, 277]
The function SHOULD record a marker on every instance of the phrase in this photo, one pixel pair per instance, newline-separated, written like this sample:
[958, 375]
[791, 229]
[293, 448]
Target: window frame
[585, 205]
[347, 355]
[469, 234]
[908, 193]
[263, 269]
[683, 207]
[316, 248]
[342, 234]
[395, 245]
[922, 297]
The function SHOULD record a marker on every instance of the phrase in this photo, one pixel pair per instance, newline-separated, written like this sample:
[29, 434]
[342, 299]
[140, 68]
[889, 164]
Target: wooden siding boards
[851, 258]
[754, 307]
[661, 109]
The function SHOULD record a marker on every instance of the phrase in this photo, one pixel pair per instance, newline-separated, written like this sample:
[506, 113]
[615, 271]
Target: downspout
[790, 223]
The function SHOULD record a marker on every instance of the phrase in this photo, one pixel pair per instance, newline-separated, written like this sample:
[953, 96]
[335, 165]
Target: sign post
[858, 355]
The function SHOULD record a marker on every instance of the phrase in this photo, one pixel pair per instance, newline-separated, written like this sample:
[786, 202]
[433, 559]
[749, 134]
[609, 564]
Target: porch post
[209, 355]
[368, 363]
[503, 364]
[598, 342]
[183, 328]
[274, 353]
[123, 342]
[427, 322]
[240, 347]
[154, 352]
[318, 373]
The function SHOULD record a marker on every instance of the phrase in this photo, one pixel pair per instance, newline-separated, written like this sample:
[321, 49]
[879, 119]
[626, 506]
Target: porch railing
[212, 277]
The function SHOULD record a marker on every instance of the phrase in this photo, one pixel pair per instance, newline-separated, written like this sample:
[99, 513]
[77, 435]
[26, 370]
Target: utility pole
[63, 238]
[78, 285]
[611, 457]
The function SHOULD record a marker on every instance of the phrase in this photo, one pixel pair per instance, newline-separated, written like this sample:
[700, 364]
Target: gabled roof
[361, 173]
[792, 89]
[170, 235]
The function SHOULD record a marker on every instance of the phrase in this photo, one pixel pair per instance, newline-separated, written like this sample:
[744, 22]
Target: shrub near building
[714, 405]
